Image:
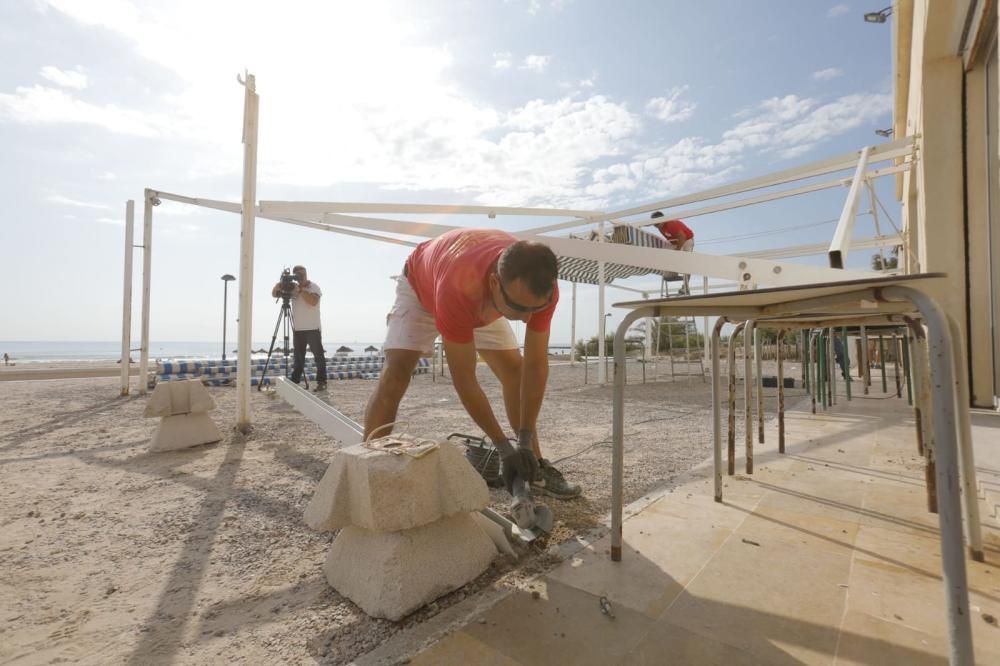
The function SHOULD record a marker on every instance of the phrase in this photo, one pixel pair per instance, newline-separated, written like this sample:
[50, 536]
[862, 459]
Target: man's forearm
[534, 376]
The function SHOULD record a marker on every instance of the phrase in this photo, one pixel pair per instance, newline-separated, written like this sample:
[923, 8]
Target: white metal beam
[243, 370]
[821, 248]
[327, 417]
[842, 236]
[899, 148]
[228, 206]
[127, 295]
[147, 274]
[311, 208]
[772, 196]
[744, 270]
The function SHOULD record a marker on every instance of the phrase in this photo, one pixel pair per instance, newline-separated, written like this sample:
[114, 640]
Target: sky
[554, 103]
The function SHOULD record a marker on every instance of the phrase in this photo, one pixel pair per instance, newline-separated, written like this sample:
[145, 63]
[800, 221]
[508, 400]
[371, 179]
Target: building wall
[935, 192]
[980, 317]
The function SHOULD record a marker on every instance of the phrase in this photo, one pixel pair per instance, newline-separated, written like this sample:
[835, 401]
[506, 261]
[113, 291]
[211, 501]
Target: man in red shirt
[680, 236]
[465, 285]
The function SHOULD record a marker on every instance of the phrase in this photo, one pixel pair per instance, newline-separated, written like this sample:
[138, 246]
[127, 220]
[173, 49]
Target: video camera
[288, 283]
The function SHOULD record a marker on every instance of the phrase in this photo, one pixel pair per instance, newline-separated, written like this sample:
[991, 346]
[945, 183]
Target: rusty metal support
[781, 396]
[731, 441]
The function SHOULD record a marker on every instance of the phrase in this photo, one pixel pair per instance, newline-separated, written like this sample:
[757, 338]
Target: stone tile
[461, 649]
[660, 554]
[771, 525]
[899, 507]
[670, 644]
[563, 626]
[896, 578]
[781, 603]
[868, 640]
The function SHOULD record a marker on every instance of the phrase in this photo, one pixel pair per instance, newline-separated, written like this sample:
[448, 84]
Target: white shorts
[688, 245]
[412, 327]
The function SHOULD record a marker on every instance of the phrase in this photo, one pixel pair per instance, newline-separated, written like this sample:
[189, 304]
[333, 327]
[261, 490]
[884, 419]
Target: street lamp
[878, 17]
[226, 279]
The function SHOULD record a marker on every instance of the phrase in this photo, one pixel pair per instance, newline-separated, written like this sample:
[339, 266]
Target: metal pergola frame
[356, 219]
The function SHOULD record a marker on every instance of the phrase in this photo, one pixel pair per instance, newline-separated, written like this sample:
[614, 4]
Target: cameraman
[305, 296]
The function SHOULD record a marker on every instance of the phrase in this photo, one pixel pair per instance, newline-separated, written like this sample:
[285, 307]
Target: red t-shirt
[673, 229]
[449, 274]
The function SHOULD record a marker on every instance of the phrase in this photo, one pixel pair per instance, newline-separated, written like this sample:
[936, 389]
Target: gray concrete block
[392, 574]
[383, 492]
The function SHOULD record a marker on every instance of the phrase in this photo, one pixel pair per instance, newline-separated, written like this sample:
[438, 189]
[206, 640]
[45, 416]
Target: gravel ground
[111, 554]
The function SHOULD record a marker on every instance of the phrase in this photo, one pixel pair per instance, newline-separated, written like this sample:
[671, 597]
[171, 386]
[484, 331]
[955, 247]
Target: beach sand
[110, 553]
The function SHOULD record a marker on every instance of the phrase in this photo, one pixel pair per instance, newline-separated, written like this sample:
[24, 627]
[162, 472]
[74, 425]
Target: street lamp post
[226, 279]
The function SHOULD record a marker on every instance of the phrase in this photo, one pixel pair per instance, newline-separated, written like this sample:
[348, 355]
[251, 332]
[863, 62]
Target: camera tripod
[286, 324]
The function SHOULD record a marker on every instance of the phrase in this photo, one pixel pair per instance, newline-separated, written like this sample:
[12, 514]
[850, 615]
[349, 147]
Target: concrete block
[770, 381]
[383, 492]
[392, 574]
[179, 397]
[184, 431]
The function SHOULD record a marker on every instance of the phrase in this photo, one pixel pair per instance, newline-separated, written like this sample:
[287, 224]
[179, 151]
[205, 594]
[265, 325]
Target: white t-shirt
[305, 316]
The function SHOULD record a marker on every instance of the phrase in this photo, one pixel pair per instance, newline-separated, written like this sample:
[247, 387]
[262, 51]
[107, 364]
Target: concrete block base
[184, 431]
[392, 574]
[383, 492]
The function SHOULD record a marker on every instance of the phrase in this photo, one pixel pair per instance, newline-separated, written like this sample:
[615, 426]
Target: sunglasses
[517, 307]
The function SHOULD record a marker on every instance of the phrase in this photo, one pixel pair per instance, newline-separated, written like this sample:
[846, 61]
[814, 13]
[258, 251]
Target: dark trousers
[314, 340]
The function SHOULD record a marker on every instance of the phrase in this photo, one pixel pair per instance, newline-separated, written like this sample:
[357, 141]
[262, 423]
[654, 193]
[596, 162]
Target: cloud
[536, 63]
[793, 125]
[671, 109]
[789, 126]
[535, 6]
[66, 201]
[75, 79]
[827, 74]
[838, 10]
[579, 149]
[111, 220]
[39, 105]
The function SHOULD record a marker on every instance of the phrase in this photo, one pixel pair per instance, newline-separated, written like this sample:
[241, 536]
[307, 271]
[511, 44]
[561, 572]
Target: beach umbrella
[344, 350]
[371, 349]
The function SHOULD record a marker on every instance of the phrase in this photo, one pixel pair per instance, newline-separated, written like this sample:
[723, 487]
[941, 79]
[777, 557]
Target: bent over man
[465, 285]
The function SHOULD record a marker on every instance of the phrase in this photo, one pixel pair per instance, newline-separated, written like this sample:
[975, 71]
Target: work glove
[516, 460]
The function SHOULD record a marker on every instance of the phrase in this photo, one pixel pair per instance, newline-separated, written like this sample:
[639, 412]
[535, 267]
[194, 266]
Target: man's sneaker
[320, 387]
[550, 482]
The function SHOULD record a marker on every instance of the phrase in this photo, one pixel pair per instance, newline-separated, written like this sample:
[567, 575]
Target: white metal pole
[748, 392]
[127, 295]
[649, 331]
[572, 331]
[759, 382]
[842, 235]
[716, 408]
[147, 269]
[704, 320]
[243, 371]
[878, 230]
[866, 377]
[943, 403]
[966, 456]
[602, 374]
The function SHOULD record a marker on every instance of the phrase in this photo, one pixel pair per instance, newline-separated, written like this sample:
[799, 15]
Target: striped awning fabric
[574, 269]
